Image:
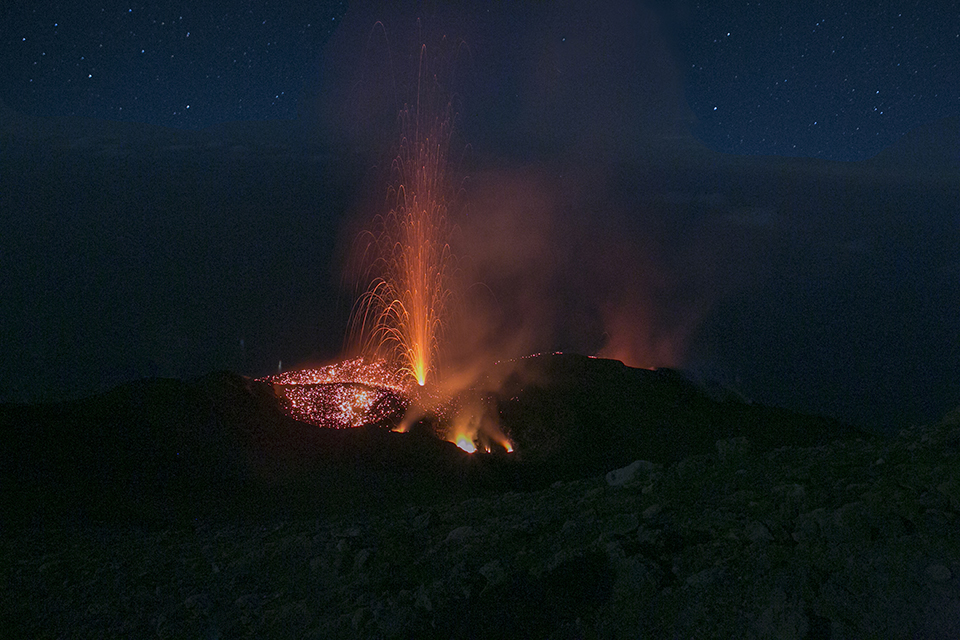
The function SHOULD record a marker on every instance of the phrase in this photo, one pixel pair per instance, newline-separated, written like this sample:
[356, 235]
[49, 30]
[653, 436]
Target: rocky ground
[857, 538]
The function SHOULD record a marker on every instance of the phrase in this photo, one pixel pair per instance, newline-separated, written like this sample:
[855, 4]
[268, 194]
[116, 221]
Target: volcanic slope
[855, 537]
[158, 451]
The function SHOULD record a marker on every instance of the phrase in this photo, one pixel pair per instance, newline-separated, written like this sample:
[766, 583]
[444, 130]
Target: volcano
[633, 501]
[224, 445]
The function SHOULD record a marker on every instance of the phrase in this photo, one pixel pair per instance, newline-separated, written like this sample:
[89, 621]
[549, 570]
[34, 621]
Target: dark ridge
[221, 446]
[587, 415]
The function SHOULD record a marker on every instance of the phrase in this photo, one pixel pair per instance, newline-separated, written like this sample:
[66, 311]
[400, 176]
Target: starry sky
[839, 81]
[179, 252]
[174, 64]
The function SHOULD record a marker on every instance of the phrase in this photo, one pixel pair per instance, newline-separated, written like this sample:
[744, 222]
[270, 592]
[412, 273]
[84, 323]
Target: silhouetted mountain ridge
[160, 450]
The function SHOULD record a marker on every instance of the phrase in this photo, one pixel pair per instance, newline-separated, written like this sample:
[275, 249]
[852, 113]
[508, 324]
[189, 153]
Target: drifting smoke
[569, 270]
[551, 227]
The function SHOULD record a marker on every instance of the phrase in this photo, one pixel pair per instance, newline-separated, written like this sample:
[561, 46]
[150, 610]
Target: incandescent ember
[360, 392]
[347, 394]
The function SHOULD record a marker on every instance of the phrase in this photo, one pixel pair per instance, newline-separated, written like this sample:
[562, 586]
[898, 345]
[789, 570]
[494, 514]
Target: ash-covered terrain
[637, 504]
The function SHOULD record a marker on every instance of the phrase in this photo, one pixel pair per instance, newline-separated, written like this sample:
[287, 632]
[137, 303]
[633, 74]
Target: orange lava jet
[409, 261]
[407, 268]
[475, 426]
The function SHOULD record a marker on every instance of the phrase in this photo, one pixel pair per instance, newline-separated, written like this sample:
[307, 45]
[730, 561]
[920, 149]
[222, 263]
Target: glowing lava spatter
[342, 395]
[410, 264]
[408, 271]
[465, 443]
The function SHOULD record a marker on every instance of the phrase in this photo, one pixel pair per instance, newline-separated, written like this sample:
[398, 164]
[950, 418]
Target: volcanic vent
[346, 394]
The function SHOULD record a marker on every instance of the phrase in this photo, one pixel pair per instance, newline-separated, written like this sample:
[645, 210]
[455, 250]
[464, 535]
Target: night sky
[839, 81]
[763, 194]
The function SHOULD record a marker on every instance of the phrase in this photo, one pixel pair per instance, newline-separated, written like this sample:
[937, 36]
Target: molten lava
[466, 444]
[475, 424]
[359, 392]
[407, 269]
[408, 261]
[351, 393]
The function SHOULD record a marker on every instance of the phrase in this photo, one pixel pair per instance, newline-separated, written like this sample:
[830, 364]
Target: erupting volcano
[407, 258]
[397, 325]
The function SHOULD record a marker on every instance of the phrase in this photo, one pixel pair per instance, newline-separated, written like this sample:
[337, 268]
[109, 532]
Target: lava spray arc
[414, 296]
[407, 257]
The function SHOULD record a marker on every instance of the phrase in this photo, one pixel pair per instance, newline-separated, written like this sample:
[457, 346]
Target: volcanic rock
[220, 446]
[630, 473]
[852, 538]
[583, 416]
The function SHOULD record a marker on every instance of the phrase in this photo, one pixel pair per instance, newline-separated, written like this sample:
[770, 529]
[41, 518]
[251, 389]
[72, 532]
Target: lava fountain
[396, 330]
[408, 259]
